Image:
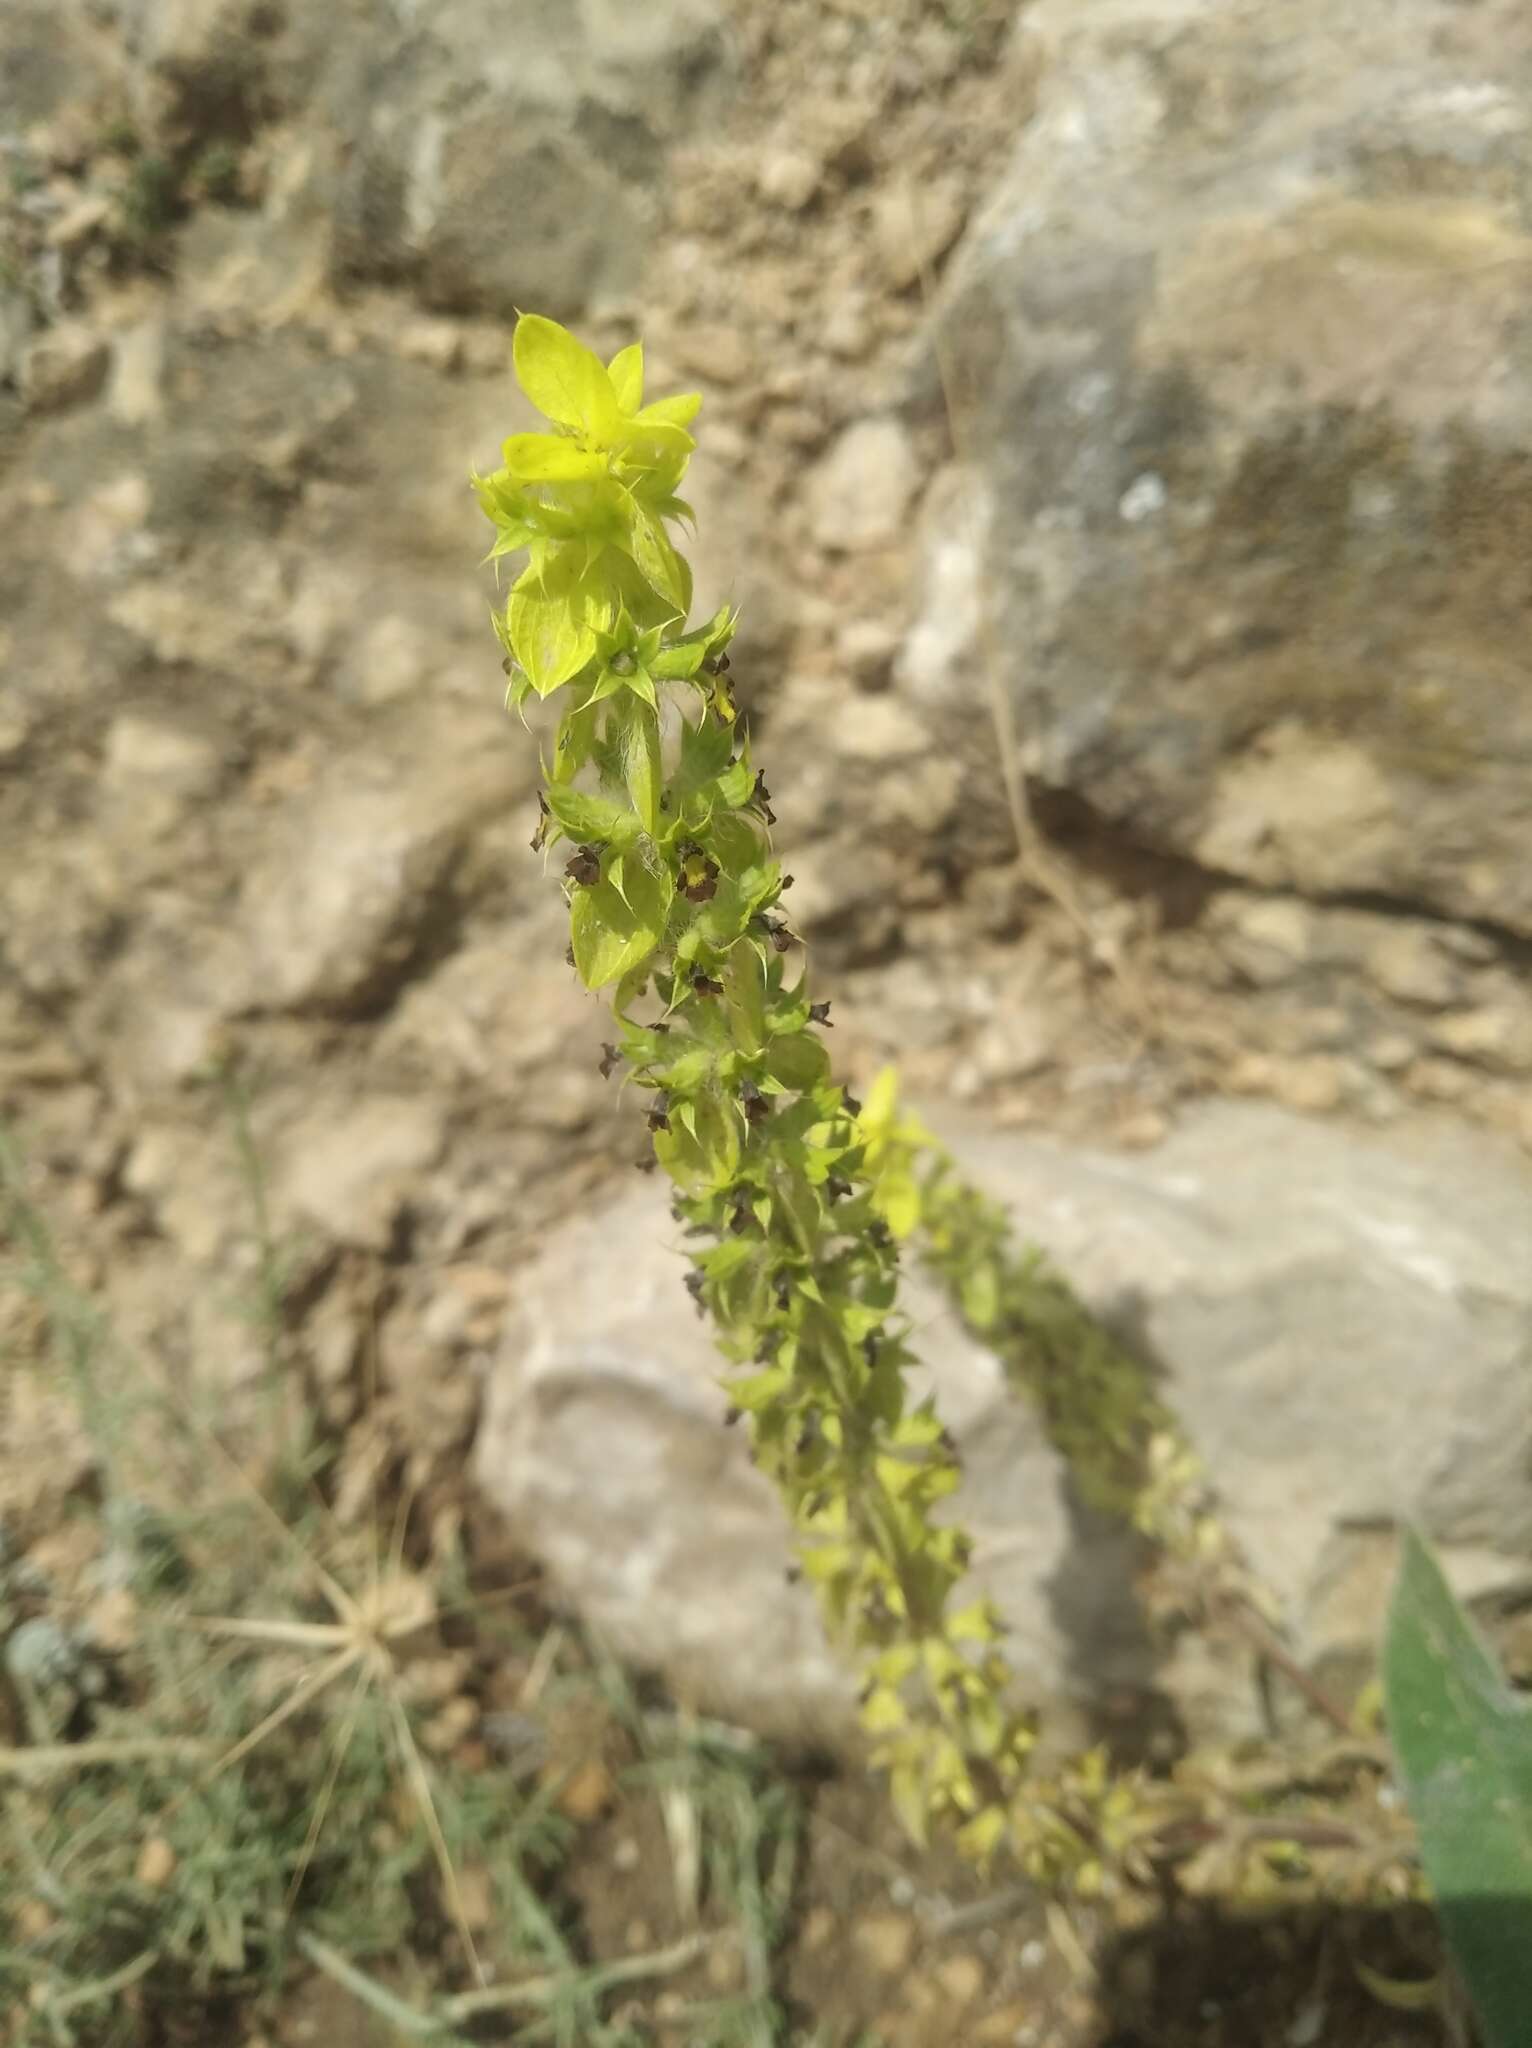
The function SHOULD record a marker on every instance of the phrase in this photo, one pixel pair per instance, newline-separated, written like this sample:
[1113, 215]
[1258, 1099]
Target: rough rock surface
[260, 816]
[1243, 333]
[1344, 1323]
[499, 156]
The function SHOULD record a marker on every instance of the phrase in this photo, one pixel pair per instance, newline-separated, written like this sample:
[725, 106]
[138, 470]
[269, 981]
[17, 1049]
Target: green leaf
[608, 684]
[553, 614]
[975, 1623]
[679, 662]
[980, 1837]
[883, 1711]
[626, 370]
[1464, 1743]
[588, 818]
[759, 1390]
[908, 1792]
[658, 562]
[679, 411]
[718, 1135]
[736, 783]
[705, 749]
[641, 683]
[550, 458]
[978, 1290]
[897, 1200]
[733, 842]
[798, 1062]
[573, 744]
[734, 1251]
[563, 378]
[611, 937]
[511, 538]
[688, 1070]
[641, 769]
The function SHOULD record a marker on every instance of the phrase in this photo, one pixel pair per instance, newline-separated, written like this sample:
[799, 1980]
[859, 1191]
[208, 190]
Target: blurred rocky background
[1161, 370]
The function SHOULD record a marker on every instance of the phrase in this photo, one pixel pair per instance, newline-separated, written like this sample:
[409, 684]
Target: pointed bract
[563, 378]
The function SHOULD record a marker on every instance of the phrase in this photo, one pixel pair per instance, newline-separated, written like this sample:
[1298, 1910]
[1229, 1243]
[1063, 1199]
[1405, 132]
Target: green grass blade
[1464, 1743]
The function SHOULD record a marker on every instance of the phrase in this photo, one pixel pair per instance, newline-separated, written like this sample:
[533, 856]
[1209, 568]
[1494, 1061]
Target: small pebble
[887, 1940]
[818, 1929]
[156, 1863]
[961, 1978]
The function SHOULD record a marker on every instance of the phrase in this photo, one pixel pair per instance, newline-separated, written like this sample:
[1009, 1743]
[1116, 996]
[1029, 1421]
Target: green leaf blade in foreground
[1464, 1743]
[613, 934]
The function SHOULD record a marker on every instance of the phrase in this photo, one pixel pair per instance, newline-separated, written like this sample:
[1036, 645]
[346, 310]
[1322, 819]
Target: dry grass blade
[322, 1634]
[420, 1785]
[308, 1686]
[339, 1750]
[46, 1760]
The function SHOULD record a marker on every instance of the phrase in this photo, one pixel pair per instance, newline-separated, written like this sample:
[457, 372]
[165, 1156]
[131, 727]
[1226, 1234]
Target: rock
[914, 225]
[164, 1011]
[848, 330]
[80, 220]
[937, 659]
[788, 178]
[603, 1442]
[961, 1978]
[145, 751]
[1498, 1036]
[712, 350]
[1316, 1084]
[437, 343]
[859, 494]
[881, 729]
[504, 155]
[50, 1455]
[1391, 1050]
[1237, 322]
[16, 322]
[212, 71]
[65, 366]
[867, 649]
[1438, 1080]
[138, 364]
[1410, 964]
[1018, 1040]
[347, 1170]
[182, 36]
[1267, 938]
[1298, 1284]
[52, 57]
[362, 872]
[885, 1941]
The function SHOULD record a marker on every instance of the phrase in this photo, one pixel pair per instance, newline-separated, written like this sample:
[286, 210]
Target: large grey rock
[1344, 1322]
[487, 154]
[1242, 342]
[363, 877]
[48, 56]
[504, 153]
